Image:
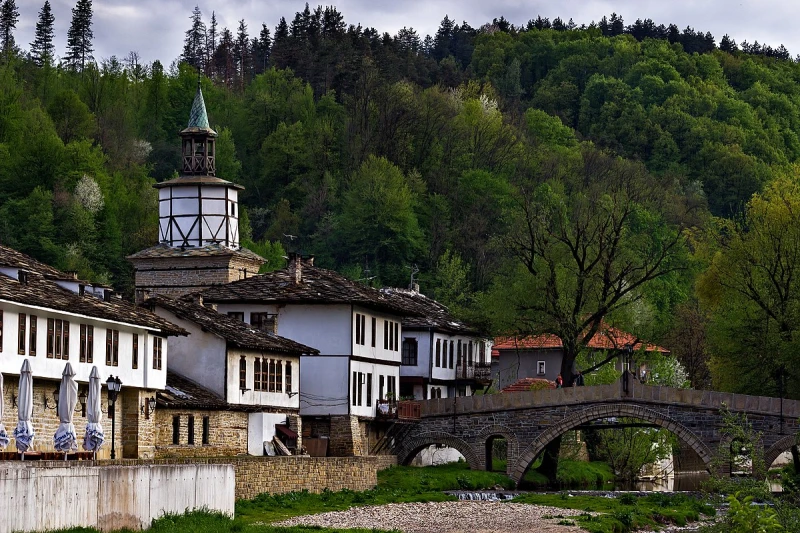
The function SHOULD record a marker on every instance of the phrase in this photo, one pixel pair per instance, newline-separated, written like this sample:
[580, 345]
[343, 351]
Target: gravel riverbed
[446, 517]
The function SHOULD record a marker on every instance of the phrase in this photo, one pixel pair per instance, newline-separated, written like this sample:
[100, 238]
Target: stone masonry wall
[227, 433]
[176, 276]
[138, 424]
[45, 420]
[346, 437]
[278, 475]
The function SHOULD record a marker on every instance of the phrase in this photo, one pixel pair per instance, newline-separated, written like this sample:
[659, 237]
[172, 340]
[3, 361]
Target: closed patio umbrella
[23, 433]
[64, 439]
[3, 433]
[94, 437]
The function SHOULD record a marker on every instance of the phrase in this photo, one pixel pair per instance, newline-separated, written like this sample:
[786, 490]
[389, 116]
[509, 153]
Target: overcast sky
[155, 28]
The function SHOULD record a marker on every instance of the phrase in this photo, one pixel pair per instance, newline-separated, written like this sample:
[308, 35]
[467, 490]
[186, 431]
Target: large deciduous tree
[753, 290]
[79, 36]
[42, 48]
[588, 235]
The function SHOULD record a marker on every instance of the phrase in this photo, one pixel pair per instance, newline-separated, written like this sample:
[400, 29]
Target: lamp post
[114, 386]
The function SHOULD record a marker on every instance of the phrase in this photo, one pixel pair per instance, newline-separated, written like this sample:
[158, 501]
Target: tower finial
[198, 117]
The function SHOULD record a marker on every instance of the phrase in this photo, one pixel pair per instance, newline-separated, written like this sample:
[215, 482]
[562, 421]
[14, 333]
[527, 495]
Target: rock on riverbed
[446, 517]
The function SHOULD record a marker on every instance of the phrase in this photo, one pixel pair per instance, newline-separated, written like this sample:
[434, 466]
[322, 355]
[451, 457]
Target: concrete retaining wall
[49, 496]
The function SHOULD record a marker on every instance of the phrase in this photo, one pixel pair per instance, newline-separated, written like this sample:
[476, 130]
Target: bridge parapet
[637, 393]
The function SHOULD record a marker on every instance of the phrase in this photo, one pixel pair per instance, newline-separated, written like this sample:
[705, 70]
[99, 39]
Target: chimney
[309, 259]
[107, 293]
[22, 276]
[72, 274]
[296, 267]
[141, 295]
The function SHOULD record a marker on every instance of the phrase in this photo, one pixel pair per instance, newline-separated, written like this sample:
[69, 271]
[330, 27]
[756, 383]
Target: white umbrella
[65, 439]
[3, 433]
[23, 433]
[94, 437]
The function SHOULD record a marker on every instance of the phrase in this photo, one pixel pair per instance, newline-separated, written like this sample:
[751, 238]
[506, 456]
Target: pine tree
[211, 45]
[261, 50]
[79, 36]
[242, 54]
[9, 15]
[42, 48]
[194, 45]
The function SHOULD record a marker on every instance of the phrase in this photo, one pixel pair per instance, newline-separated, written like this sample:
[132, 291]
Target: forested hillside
[542, 179]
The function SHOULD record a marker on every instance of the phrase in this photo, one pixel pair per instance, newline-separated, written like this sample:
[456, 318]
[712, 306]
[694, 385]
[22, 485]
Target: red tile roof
[607, 338]
[530, 384]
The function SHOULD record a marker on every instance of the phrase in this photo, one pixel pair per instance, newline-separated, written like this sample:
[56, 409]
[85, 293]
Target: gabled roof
[312, 286]
[607, 338]
[41, 290]
[429, 313]
[529, 384]
[234, 331]
[209, 250]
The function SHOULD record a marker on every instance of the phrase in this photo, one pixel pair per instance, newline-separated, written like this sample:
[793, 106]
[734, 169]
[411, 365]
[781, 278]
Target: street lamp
[114, 386]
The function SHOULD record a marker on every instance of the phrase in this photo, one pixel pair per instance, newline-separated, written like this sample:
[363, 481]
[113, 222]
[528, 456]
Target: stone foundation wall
[45, 420]
[346, 437]
[227, 433]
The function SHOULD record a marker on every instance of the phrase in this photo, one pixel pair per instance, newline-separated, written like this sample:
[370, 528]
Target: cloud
[155, 28]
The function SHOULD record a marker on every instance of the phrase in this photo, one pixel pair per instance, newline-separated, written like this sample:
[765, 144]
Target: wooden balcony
[400, 410]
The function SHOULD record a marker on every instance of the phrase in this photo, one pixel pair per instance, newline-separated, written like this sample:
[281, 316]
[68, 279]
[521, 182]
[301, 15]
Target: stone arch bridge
[529, 421]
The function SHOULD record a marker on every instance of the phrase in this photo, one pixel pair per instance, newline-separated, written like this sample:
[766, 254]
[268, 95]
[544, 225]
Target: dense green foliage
[545, 179]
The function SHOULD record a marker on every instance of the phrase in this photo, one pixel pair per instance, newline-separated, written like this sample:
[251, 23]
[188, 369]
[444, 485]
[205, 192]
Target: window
[452, 349]
[264, 377]
[32, 344]
[355, 387]
[361, 329]
[380, 387]
[288, 376]
[1, 330]
[190, 431]
[22, 335]
[176, 429]
[273, 375]
[109, 347]
[369, 390]
[438, 352]
[469, 354]
[385, 334]
[397, 336]
[391, 386]
[135, 351]
[540, 368]
[237, 315]
[86, 354]
[410, 352]
[242, 374]
[278, 376]
[57, 338]
[257, 374]
[374, 330]
[460, 359]
[360, 388]
[115, 352]
[206, 424]
[157, 352]
[263, 321]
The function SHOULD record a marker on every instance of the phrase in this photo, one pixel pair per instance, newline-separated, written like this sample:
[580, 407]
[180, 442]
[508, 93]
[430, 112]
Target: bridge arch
[512, 444]
[783, 445]
[606, 411]
[412, 446]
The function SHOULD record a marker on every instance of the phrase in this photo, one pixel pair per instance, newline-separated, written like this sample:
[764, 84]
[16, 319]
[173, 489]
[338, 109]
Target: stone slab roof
[184, 393]
[313, 285]
[41, 290]
[234, 331]
[210, 250]
[429, 313]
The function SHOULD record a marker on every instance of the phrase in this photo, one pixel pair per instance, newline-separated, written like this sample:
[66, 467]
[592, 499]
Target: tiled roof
[315, 286]
[607, 338]
[211, 181]
[234, 331]
[210, 250]
[40, 290]
[198, 118]
[529, 384]
[430, 313]
[184, 393]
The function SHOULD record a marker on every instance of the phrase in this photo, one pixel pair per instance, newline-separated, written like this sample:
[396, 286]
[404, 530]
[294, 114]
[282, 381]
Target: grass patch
[572, 474]
[398, 484]
[627, 512]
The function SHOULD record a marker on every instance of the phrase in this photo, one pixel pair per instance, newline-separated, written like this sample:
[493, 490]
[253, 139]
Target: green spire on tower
[198, 118]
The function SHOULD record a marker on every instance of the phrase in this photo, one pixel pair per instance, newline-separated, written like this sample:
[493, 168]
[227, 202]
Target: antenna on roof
[291, 240]
[413, 286]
